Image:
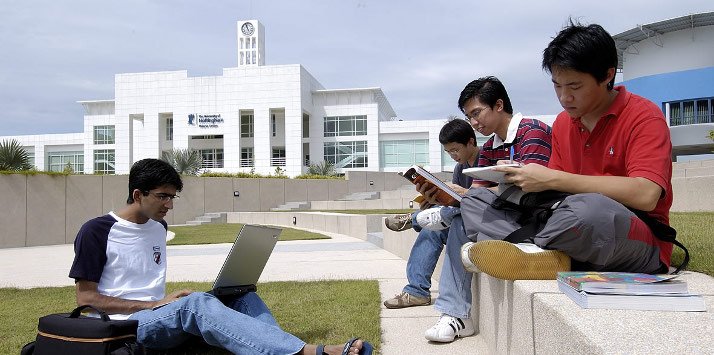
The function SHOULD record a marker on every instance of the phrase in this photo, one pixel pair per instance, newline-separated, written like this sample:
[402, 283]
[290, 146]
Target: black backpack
[537, 207]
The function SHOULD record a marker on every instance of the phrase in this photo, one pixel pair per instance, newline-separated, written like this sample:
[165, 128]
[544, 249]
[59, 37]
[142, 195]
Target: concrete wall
[50, 209]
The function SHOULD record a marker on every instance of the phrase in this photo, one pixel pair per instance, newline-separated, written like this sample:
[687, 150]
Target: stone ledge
[535, 317]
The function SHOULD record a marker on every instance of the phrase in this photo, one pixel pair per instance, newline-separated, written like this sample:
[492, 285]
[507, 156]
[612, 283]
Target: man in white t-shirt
[120, 268]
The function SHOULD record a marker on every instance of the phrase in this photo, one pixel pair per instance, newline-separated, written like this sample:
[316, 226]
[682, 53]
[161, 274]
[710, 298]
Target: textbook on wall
[621, 290]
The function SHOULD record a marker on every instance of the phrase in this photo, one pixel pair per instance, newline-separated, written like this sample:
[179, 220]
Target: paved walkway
[338, 258]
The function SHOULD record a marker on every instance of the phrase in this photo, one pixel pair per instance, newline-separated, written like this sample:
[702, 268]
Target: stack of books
[623, 290]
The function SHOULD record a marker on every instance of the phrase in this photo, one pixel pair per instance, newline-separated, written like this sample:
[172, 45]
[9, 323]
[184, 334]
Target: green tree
[185, 161]
[13, 157]
[711, 134]
[322, 168]
[68, 169]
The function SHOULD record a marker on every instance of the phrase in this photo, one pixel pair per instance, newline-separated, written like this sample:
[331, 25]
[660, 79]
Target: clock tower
[251, 43]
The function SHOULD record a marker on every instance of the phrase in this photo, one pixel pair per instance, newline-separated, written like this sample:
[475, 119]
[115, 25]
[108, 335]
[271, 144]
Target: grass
[226, 233]
[694, 231]
[324, 312]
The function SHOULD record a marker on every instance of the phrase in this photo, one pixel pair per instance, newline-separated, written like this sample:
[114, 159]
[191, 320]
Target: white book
[488, 173]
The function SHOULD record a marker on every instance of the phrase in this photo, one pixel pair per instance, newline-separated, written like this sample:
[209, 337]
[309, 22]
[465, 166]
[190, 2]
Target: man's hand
[530, 178]
[429, 193]
[172, 297]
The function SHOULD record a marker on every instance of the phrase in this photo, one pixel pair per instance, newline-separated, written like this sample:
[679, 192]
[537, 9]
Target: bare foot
[310, 349]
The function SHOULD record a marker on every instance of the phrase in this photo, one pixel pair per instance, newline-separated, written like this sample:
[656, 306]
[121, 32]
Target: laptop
[246, 260]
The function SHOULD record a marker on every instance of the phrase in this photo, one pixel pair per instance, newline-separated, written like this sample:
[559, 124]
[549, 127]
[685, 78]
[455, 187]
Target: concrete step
[360, 196]
[293, 206]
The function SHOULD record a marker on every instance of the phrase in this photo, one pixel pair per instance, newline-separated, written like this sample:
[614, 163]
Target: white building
[254, 117]
[671, 62]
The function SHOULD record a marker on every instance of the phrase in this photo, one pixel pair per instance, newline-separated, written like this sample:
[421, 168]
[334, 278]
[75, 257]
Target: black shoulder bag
[72, 334]
[537, 207]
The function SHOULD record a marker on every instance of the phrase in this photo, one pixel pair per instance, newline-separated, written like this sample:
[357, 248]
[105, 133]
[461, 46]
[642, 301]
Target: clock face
[247, 28]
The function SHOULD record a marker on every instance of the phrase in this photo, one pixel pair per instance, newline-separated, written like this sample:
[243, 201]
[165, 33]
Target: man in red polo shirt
[611, 149]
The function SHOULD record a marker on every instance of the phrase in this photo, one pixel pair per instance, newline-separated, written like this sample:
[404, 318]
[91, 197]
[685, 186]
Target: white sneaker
[430, 219]
[466, 260]
[448, 328]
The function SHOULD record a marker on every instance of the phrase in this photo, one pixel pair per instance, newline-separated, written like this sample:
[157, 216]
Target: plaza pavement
[341, 257]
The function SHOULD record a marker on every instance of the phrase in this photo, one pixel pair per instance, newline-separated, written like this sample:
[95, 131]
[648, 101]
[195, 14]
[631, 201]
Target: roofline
[640, 33]
[93, 101]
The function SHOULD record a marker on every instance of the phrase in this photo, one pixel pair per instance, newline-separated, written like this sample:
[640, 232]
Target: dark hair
[488, 90]
[587, 49]
[457, 131]
[148, 174]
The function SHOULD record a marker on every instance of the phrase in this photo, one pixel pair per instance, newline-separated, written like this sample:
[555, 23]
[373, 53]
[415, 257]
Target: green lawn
[694, 231]
[226, 233]
[327, 312]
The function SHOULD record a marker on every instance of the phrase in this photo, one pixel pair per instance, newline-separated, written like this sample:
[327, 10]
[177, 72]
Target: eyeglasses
[453, 151]
[475, 113]
[161, 196]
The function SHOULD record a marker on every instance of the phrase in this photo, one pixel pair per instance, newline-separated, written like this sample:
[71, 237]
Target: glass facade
[58, 161]
[688, 112]
[212, 158]
[104, 161]
[169, 129]
[104, 134]
[341, 126]
[404, 153]
[278, 157]
[246, 157]
[346, 154]
[246, 124]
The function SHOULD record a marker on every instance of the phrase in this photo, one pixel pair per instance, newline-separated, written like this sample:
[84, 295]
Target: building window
[30, 154]
[212, 158]
[246, 124]
[273, 124]
[103, 134]
[104, 160]
[305, 125]
[59, 161]
[688, 112]
[346, 154]
[345, 126]
[404, 153]
[306, 153]
[169, 129]
[278, 157]
[246, 157]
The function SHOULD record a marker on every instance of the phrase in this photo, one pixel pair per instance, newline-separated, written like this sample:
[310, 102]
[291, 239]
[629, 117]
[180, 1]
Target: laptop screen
[248, 256]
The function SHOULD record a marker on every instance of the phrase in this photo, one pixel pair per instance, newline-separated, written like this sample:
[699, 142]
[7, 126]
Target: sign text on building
[204, 121]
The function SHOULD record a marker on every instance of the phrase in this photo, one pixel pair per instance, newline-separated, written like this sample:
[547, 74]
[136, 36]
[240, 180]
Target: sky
[421, 53]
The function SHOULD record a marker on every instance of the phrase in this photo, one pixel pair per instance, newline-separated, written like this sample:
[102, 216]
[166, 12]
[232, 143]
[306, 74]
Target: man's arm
[634, 192]
[86, 293]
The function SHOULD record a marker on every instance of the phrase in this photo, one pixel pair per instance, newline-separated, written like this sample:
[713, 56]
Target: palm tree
[13, 157]
[322, 168]
[185, 161]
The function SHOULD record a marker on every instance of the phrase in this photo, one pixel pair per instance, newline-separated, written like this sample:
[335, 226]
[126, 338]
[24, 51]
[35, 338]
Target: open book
[446, 196]
[487, 173]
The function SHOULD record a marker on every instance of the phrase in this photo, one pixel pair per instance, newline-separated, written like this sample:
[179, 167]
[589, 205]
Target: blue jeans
[424, 255]
[455, 282]
[243, 325]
